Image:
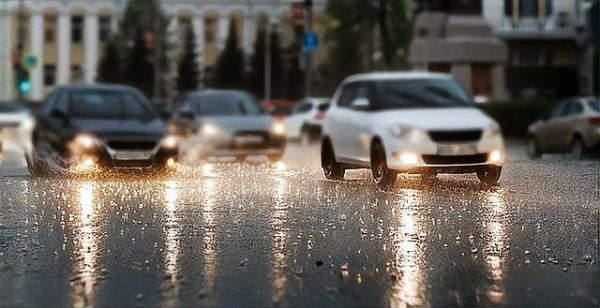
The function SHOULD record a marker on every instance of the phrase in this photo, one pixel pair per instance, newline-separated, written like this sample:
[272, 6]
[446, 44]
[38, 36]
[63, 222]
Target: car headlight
[408, 133]
[278, 128]
[492, 131]
[86, 141]
[209, 130]
[170, 142]
[28, 123]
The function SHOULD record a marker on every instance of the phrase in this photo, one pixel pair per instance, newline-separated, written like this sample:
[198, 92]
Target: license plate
[457, 149]
[132, 156]
[245, 140]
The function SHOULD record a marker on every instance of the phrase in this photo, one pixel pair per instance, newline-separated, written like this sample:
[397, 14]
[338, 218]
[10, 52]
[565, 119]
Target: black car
[96, 127]
[227, 123]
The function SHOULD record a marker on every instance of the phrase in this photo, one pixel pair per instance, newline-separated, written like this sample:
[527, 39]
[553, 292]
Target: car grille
[450, 160]
[262, 140]
[132, 145]
[455, 136]
[133, 163]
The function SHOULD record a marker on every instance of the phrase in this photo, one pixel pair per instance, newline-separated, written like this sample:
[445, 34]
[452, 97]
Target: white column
[91, 46]
[64, 48]
[6, 68]
[223, 30]
[198, 24]
[249, 32]
[37, 49]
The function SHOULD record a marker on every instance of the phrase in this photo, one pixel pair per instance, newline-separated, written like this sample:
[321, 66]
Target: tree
[187, 69]
[256, 82]
[277, 68]
[230, 66]
[109, 68]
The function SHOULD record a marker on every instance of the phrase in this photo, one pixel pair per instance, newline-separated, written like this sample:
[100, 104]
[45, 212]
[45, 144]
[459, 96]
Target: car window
[348, 95]
[594, 104]
[10, 107]
[558, 110]
[303, 108]
[107, 104]
[575, 108]
[224, 104]
[419, 93]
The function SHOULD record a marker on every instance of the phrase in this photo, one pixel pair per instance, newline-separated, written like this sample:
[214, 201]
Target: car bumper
[227, 147]
[428, 156]
[108, 159]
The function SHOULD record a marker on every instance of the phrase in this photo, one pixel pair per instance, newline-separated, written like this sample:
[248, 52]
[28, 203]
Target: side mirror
[360, 103]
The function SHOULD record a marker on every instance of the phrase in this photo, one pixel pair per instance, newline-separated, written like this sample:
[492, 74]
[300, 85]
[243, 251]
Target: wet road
[228, 234]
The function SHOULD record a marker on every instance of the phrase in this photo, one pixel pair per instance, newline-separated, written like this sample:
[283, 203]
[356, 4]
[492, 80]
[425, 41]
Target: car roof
[216, 91]
[95, 86]
[395, 75]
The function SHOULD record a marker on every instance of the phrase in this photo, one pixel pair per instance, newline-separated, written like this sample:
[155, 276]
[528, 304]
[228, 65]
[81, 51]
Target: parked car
[305, 121]
[572, 127]
[15, 116]
[227, 123]
[409, 122]
[86, 128]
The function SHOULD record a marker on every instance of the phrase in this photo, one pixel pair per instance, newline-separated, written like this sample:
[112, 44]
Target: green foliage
[256, 78]
[515, 116]
[109, 68]
[187, 68]
[230, 66]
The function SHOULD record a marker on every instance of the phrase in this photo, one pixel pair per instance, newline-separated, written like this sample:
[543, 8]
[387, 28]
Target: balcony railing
[561, 22]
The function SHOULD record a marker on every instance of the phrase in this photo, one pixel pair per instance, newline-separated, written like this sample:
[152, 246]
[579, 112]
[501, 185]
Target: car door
[50, 125]
[359, 126]
[573, 119]
[546, 132]
[337, 125]
[296, 119]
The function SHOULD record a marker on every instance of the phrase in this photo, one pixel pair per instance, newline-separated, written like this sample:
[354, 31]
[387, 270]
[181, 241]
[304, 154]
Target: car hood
[120, 128]
[238, 123]
[436, 119]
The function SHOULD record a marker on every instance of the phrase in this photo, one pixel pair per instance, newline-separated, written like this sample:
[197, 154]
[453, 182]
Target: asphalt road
[228, 234]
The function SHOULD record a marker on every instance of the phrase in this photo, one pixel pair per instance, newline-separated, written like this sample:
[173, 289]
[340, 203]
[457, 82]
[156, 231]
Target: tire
[490, 175]
[331, 168]
[533, 148]
[577, 149]
[35, 166]
[382, 175]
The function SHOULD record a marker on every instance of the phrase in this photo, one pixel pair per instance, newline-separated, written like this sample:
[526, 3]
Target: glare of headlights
[170, 142]
[209, 129]
[410, 134]
[28, 123]
[408, 158]
[86, 141]
[171, 162]
[495, 156]
[278, 128]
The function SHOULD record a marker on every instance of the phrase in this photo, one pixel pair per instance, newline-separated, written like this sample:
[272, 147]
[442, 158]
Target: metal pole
[308, 4]
[157, 55]
[20, 48]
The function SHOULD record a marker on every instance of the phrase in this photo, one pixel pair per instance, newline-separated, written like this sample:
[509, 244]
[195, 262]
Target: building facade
[550, 54]
[68, 36]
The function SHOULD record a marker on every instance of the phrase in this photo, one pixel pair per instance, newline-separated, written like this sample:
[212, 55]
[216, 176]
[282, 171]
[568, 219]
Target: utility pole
[18, 67]
[309, 55]
[268, 66]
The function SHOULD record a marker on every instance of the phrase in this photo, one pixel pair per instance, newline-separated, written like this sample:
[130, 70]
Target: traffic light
[23, 81]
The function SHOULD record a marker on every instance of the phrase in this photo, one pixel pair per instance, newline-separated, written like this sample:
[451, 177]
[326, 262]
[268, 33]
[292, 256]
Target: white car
[409, 122]
[305, 122]
[15, 116]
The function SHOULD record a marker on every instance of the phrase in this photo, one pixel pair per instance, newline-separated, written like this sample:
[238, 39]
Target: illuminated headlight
[407, 158]
[209, 130]
[28, 124]
[278, 128]
[86, 141]
[170, 142]
[409, 134]
[496, 156]
[492, 132]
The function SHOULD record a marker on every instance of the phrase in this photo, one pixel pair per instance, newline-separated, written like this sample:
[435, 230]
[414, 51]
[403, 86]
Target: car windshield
[6, 107]
[419, 93]
[234, 104]
[109, 104]
[595, 104]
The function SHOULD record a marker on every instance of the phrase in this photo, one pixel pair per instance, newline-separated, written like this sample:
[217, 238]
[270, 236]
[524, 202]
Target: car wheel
[577, 149]
[382, 175]
[36, 167]
[331, 168]
[490, 175]
[533, 148]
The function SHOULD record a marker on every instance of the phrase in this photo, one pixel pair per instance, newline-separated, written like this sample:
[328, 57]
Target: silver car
[573, 127]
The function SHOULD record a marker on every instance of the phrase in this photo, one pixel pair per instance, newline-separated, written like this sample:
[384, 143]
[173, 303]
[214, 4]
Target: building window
[76, 73]
[185, 24]
[440, 67]
[529, 8]
[209, 30]
[76, 29]
[104, 28]
[49, 75]
[481, 80]
[49, 29]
